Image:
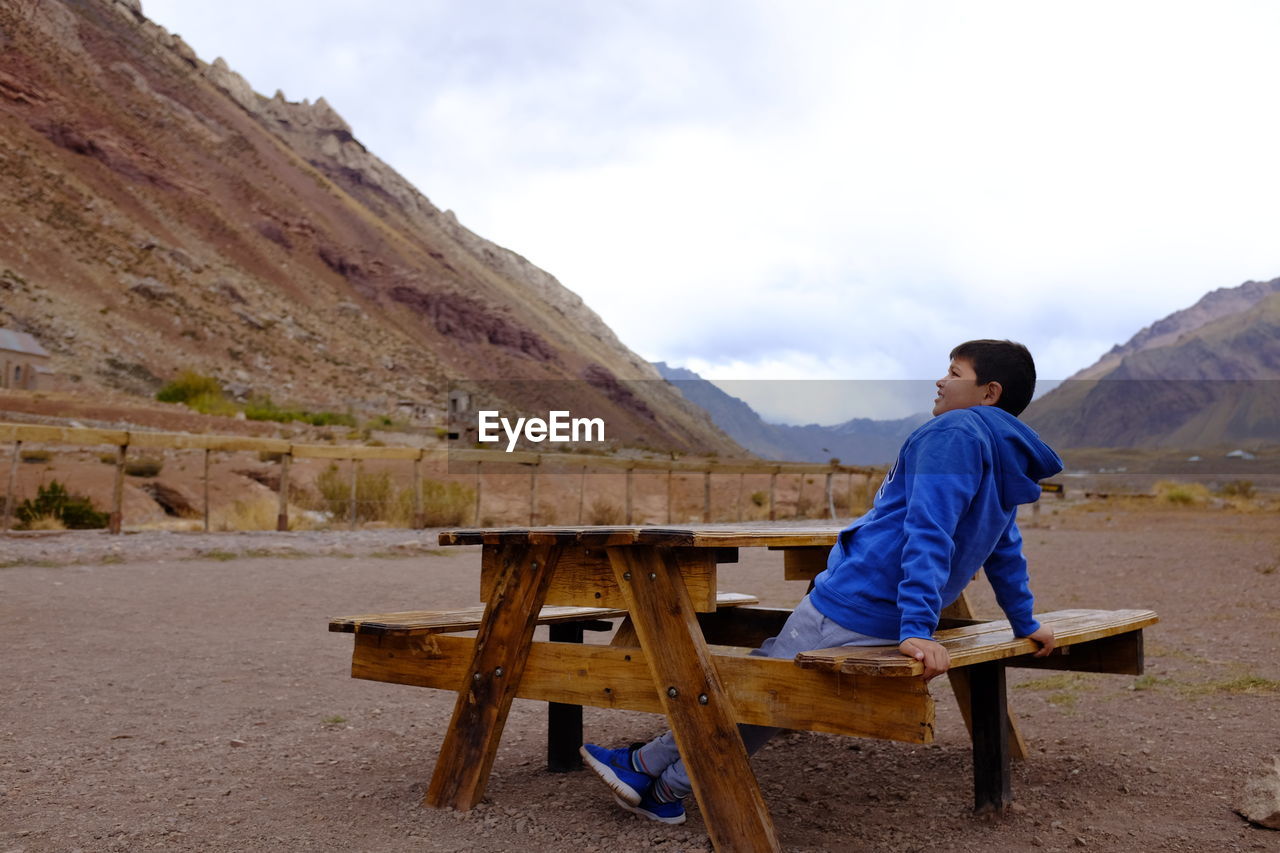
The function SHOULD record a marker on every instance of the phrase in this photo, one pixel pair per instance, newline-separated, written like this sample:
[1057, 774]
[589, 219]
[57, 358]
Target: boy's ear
[992, 394]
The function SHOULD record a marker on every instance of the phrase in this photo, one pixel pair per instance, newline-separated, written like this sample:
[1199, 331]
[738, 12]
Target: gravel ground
[179, 691]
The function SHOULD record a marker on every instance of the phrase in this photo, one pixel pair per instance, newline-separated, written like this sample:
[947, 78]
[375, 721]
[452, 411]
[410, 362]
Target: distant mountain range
[1206, 376]
[1202, 377]
[860, 441]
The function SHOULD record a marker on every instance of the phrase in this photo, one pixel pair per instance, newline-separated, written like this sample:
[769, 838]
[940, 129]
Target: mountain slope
[157, 214]
[1202, 377]
[860, 441]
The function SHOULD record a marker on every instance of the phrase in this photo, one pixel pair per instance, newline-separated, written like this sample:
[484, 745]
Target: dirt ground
[170, 697]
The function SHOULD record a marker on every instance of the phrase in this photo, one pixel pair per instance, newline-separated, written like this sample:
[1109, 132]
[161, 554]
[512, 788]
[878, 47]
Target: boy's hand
[934, 656]
[1044, 636]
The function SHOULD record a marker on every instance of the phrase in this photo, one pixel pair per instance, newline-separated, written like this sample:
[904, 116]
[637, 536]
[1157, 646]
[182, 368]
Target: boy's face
[959, 389]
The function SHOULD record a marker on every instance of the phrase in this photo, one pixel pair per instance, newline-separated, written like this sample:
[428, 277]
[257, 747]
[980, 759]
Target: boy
[946, 508]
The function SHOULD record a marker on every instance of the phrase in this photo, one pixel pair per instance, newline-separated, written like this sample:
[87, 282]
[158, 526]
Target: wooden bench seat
[988, 641]
[410, 622]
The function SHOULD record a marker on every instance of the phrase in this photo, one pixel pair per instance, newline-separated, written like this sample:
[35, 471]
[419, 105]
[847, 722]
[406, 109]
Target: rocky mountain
[1202, 377]
[861, 441]
[158, 214]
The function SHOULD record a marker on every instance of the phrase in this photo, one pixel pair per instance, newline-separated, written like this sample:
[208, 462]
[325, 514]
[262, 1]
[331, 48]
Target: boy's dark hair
[1006, 362]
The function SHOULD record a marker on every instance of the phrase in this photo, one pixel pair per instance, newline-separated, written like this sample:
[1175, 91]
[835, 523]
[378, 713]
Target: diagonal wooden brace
[694, 698]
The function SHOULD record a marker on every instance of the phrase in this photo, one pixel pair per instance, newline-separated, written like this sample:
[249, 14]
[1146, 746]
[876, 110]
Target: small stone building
[24, 363]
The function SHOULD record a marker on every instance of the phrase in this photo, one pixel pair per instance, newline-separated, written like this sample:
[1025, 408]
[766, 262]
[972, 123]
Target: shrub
[188, 386]
[760, 498]
[53, 501]
[1238, 489]
[46, 522]
[605, 511]
[255, 513]
[446, 504]
[376, 498]
[143, 467]
[35, 456]
[1181, 494]
[212, 404]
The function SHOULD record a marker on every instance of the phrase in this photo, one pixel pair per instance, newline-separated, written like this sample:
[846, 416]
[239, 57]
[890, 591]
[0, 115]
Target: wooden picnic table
[682, 651]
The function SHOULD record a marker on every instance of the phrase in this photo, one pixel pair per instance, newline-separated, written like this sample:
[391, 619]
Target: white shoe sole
[621, 789]
[635, 809]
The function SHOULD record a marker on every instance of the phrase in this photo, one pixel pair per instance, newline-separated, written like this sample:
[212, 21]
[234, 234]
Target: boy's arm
[943, 474]
[1007, 573]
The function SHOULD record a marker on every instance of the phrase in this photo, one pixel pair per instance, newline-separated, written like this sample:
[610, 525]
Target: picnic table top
[719, 536]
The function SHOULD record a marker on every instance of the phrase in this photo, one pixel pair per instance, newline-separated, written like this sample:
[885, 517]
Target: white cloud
[840, 189]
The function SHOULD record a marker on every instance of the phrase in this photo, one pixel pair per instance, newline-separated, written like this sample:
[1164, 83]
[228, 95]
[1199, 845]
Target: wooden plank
[468, 618]
[762, 691]
[584, 578]
[1121, 655]
[804, 564]
[496, 457]
[62, 435]
[988, 641]
[694, 698]
[681, 537]
[240, 443]
[352, 451]
[492, 678]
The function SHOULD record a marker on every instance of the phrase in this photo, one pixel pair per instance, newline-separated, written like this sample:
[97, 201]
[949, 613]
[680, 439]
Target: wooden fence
[561, 463]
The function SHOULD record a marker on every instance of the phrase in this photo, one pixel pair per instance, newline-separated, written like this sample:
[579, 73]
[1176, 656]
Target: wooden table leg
[501, 649]
[694, 699]
[989, 711]
[959, 678]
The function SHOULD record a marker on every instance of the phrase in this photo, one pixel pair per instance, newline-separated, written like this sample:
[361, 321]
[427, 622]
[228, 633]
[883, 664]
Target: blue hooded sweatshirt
[946, 508]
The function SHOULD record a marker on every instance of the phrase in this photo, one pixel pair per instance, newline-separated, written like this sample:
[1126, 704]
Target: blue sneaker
[654, 810]
[613, 766]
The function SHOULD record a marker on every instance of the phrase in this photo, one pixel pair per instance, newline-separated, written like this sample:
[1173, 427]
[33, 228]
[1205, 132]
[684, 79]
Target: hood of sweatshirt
[1022, 459]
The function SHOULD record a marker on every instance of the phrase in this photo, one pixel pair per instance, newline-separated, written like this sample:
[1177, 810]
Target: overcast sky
[812, 189]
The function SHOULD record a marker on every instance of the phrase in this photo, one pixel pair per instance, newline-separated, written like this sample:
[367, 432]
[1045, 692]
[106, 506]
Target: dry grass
[1182, 494]
[46, 522]
[604, 511]
[255, 514]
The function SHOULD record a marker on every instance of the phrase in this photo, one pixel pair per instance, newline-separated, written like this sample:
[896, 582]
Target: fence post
[582, 491]
[116, 519]
[741, 476]
[8, 494]
[207, 451]
[850, 490]
[773, 484]
[533, 494]
[706, 496]
[629, 470]
[419, 518]
[669, 502]
[477, 523]
[355, 468]
[282, 514]
[831, 499]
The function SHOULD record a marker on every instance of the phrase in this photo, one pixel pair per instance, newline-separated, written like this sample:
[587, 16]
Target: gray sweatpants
[805, 629]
